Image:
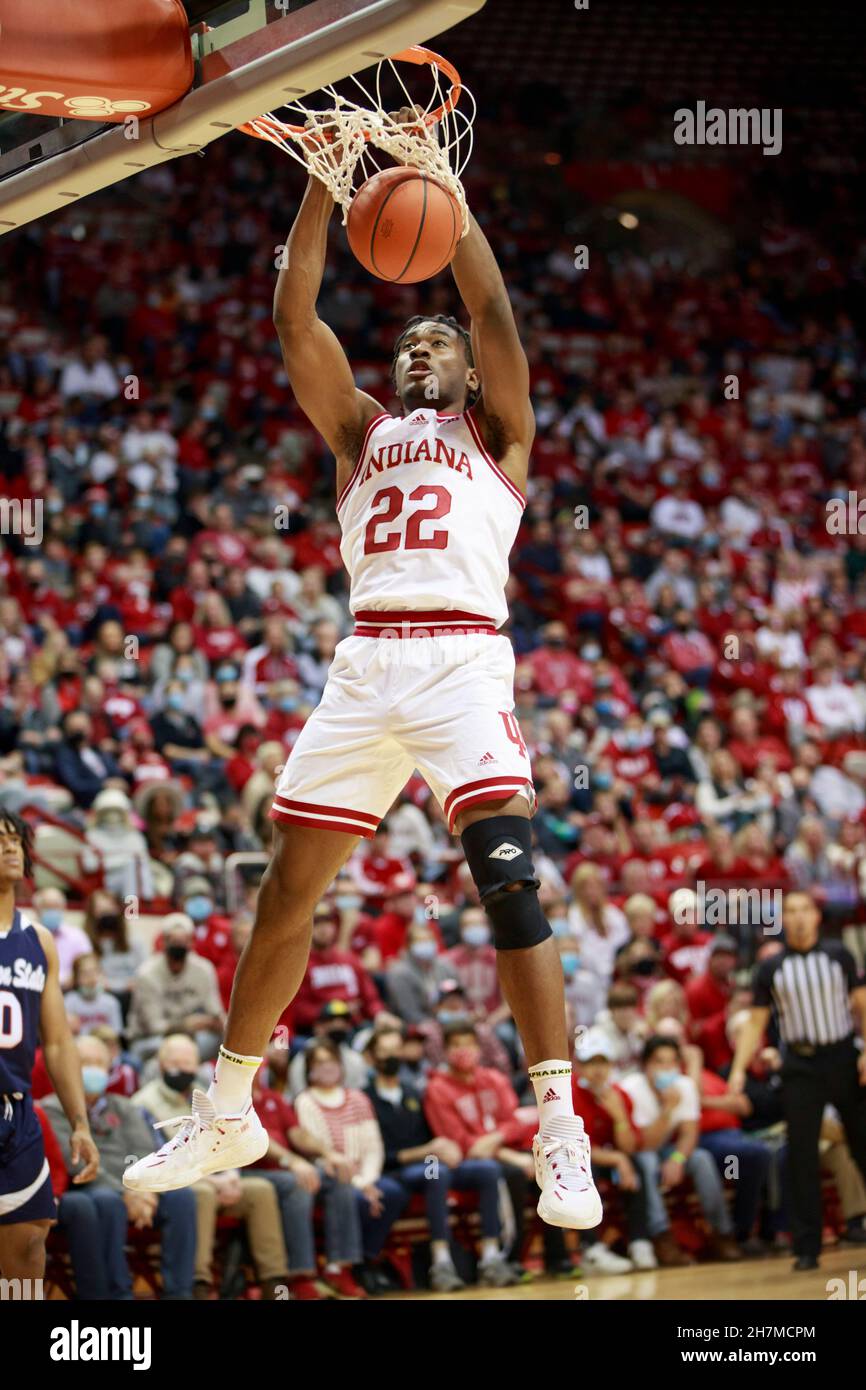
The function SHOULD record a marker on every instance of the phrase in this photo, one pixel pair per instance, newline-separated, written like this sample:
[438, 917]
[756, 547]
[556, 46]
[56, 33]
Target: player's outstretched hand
[83, 1150]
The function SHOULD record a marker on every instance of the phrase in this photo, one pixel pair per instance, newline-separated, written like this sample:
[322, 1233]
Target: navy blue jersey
[23, 972]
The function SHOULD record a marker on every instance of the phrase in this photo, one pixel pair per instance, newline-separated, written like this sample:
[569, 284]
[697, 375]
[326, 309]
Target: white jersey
[428, 519]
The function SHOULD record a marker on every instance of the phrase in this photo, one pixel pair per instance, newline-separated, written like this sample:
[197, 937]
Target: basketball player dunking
[429, 503]
[31, 1010]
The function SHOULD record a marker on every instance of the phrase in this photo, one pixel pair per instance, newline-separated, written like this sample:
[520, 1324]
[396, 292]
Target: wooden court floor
[748, 1281]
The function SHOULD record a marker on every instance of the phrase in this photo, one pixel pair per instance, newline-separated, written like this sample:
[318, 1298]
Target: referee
[812, 988]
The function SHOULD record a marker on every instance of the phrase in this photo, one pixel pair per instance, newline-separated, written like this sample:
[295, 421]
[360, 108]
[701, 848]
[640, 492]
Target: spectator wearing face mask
[175, 991]
[79, 766]
[473, 963]
[88, 1004]
[640, 963]
[606, 1109]
[179, 1070]
[341, 1132]
[477, 1109]
[251, 1200]
[119, 957]
[666, 1111]
[300, 1185]
[95, 1216]
[178, 734]
[332, 974]
[49, 907]
[413, 981]
[122, 1075]
[335, 1024]
[122, 849]
[416, 1162]
[212, 928]
[584, 991]
[452, 1007]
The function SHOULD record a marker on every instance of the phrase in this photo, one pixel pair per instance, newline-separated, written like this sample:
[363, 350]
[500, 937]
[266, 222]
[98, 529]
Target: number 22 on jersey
[391, 501]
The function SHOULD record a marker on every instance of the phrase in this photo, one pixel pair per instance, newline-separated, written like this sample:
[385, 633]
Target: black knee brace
[498, 851]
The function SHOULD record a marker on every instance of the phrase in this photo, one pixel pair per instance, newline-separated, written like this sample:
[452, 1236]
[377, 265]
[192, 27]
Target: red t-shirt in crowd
[466, 1110]
[685, 956]
[334, 974]
[475, 968]
[596, 1121]
[711, 1119]
[277, 1116]
[708, 1003]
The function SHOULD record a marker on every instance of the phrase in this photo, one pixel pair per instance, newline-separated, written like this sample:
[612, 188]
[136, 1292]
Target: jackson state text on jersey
[23, 970]
[428, 518]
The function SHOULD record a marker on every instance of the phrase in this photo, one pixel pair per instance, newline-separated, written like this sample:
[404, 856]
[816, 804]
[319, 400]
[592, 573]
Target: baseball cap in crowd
[593, 1043]
[335, 1008]
[723, 943]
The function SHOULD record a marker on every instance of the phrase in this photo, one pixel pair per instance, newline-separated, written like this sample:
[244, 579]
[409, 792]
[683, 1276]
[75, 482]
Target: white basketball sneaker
[205, 1143]
[563, 1171]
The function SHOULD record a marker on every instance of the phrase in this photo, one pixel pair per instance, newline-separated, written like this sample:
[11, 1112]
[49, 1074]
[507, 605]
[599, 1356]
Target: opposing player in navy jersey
[31, 1011]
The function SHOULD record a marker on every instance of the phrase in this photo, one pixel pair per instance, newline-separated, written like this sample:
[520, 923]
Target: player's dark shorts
[25, 1183]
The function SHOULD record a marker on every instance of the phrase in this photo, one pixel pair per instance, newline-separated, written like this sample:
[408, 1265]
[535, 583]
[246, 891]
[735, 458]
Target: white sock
[490, 1249]
[551, 1082]
[232, 1083]
[441, 1252]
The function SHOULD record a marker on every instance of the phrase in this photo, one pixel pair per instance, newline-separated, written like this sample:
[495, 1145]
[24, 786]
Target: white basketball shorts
[418, 698]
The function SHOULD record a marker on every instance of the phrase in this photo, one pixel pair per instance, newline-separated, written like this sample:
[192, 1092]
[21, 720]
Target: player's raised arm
[499, 355]
[62, 1064]
[317, 366]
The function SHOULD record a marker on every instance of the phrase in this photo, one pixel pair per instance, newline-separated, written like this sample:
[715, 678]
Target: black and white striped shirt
[808, 990]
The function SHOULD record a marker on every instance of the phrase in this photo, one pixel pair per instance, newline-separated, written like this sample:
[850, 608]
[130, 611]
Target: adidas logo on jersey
[505, 851]
[485, 759]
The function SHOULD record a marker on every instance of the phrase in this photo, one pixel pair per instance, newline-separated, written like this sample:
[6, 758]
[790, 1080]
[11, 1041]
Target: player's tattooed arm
[62, 1064]
[506, 410]
[316, 365]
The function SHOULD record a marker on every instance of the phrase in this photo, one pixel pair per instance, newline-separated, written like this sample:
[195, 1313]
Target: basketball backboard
[251, 56]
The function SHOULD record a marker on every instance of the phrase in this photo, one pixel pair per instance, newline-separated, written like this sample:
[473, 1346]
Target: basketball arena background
[689, 623]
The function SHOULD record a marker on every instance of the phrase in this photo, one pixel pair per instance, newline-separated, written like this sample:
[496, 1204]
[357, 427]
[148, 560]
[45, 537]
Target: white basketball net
[439, 148]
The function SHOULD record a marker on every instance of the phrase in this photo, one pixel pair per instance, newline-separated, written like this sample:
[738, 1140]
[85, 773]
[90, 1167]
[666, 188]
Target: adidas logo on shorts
[484, 759]
[505, 851]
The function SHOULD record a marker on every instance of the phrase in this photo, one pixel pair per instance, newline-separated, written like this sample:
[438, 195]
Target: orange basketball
[404, 226]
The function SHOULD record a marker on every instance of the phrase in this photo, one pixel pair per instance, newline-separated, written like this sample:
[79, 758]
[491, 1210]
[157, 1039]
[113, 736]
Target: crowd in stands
[691, 684]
